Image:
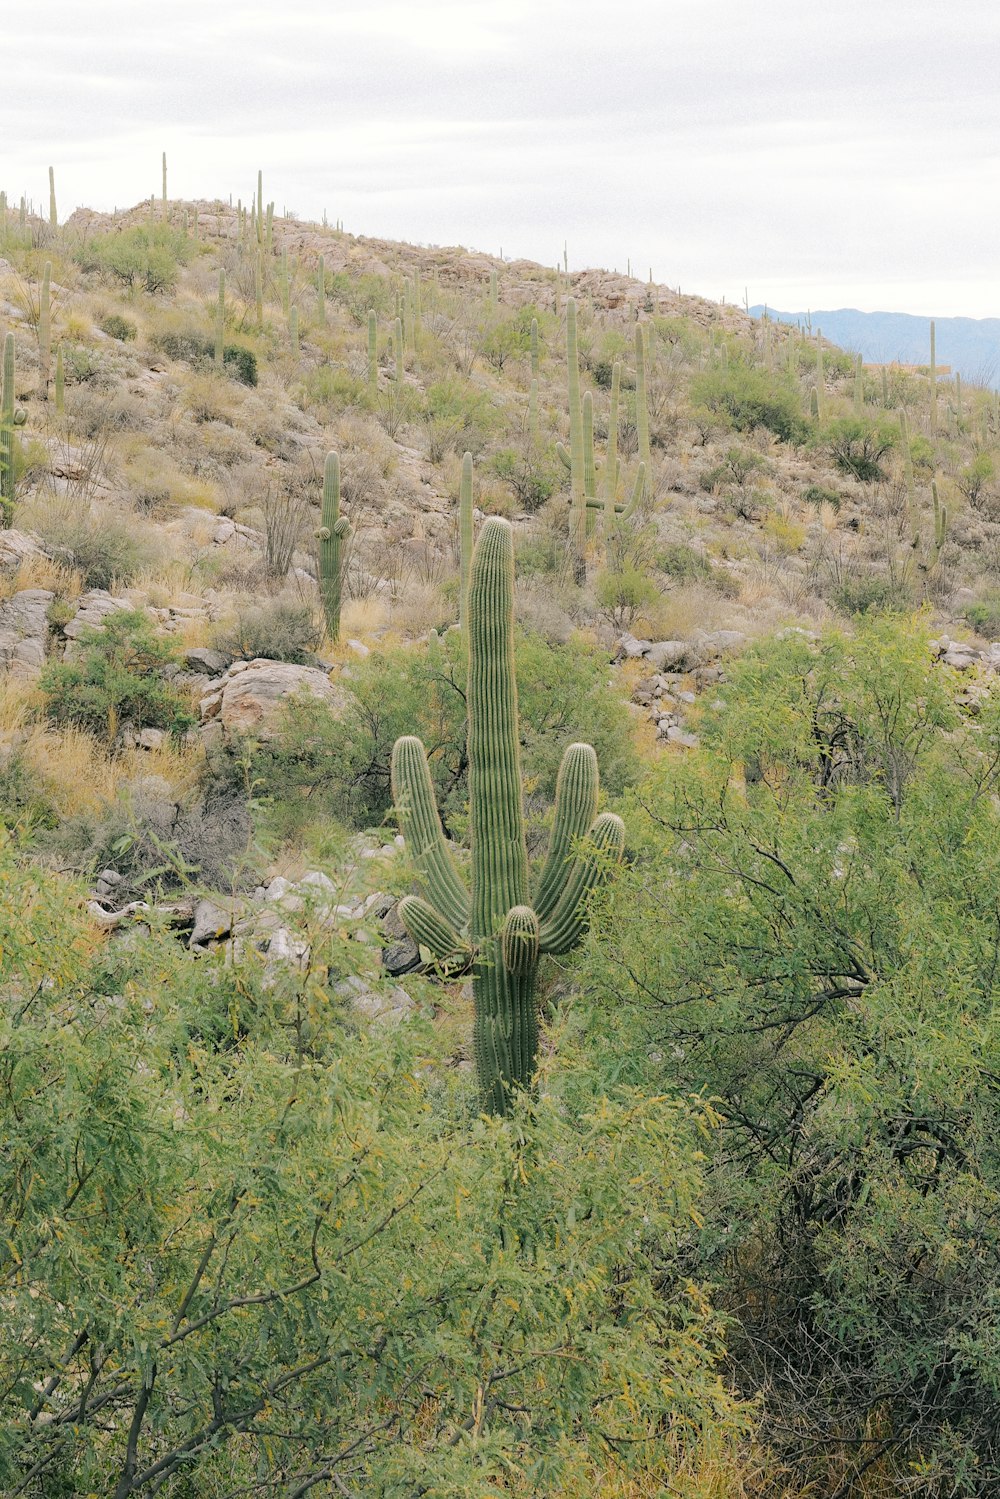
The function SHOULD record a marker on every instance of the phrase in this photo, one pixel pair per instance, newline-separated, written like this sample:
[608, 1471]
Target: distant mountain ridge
[970, 345]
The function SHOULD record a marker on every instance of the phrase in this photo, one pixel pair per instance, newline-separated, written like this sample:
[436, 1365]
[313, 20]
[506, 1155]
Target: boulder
[380, 1006]
[15, 547]
[248, 697]
[24, 631]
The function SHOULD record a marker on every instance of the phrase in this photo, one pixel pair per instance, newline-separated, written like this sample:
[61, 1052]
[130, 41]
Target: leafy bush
[984, 616]
[816, 494]
[103, 549]
[744, 398]
[683, 563]
[116, 326]
[622, 596]
[532, 482]
[146, 257]
[869, 593]
[116, 680]
[238, 362]
[975, 478]
[276, 630]
[339, 766]
[858, 445]
[829, 860]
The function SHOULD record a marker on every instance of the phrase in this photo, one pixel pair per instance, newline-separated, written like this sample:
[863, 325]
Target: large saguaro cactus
[333, 532]
[505, 922]
[10, 417]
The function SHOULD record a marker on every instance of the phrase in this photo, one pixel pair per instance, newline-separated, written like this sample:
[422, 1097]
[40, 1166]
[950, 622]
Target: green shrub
[339, 766]
[869, 594]
[858, 445]
[816, 494]
[103, 549]
[683, 563]
[239, 362]
[276, 630]
[984, 616]
[745, 398]
[116, 326]
[532, 482]
[623, 595]
[116, 680]
[143, 257]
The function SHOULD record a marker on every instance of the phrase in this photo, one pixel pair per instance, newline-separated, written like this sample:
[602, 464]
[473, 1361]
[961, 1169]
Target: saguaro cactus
[9, 419]
[372, 349]
[577, 520]
[53, 215]
[332, 535]
[611, 462]
[220, 320]
[493, 925]
[45, 326]
[534, 348]
[465, 540]
[641, 406]
[933, 373]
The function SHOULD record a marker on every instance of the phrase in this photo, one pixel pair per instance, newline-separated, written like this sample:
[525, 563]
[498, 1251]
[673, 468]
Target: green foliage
[858, 445]
[739, 465]
[869, 593]
[275, 629]
[622, 595]
[238, 361]
[683, 563]
[829, 859]
[984, 616]
[358, 294]
[119, 327]
[103, 549]
[532, 480]
[467, 415]
[116, 680]
[146, 257]
[818, 494]
[744, 398]
[975, 479]
[242, 1240]
[321, 765]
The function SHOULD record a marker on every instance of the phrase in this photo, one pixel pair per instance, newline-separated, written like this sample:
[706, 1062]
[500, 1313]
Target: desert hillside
[668, 1167]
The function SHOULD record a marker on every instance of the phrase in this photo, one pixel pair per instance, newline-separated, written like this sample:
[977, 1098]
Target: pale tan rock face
[248, 698]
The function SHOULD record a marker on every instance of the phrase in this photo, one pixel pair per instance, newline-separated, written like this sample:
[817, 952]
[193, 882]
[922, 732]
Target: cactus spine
[332, 534]
[53, 215]
[494, 925]
[465, 535]
[372, 350]
[9, 419]
[220, 319]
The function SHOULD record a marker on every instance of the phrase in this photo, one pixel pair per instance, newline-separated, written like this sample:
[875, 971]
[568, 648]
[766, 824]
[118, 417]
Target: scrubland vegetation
[669, 1174]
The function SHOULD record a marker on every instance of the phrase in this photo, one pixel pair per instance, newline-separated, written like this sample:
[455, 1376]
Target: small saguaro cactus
[611, 461]
[293, 328]
[220, 320]
[258, 287]
[10, 417]
[494, 292]
[332, 535]
[534, 348]
[45, 325]
[465, 536]
[492, 924]
[53, 215]
[60, 382]
[641, 408]
[372, 349]
[321, 291]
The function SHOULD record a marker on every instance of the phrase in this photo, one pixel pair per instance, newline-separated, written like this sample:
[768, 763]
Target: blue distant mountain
[970, 345]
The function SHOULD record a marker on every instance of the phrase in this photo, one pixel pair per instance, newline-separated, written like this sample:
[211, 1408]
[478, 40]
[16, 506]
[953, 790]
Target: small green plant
[622, 596]
[858, 446]
[117, 681]
[121, 328]
[744, 399]
[145, 258]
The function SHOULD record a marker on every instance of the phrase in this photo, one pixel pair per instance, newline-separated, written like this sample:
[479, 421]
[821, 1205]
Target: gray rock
[107, 883]
[211, 922]
[248, 699]
[205, 662]
[670, 655]
[679, 736]
[630, 649]
[380, 1006]
[24, 630]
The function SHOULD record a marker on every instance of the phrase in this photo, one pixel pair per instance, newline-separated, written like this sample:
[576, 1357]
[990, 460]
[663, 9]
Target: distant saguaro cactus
[53, 215]
[372, 349]
[220, 320]
[465, 534]
[10, 417]
[493, 926]
[332, 536]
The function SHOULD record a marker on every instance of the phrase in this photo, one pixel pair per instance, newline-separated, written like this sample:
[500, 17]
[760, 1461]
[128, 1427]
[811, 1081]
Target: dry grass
[41, 572]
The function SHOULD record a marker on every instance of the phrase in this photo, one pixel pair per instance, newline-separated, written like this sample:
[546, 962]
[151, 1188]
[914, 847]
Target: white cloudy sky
[818, 152]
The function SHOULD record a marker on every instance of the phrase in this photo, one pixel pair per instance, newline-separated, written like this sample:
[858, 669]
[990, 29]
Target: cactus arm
[577, 786]
[562, 452]
[416, 807]
[564, 927]
[430, 930]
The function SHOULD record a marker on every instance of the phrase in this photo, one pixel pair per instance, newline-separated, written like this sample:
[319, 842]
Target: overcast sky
[820, 153]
